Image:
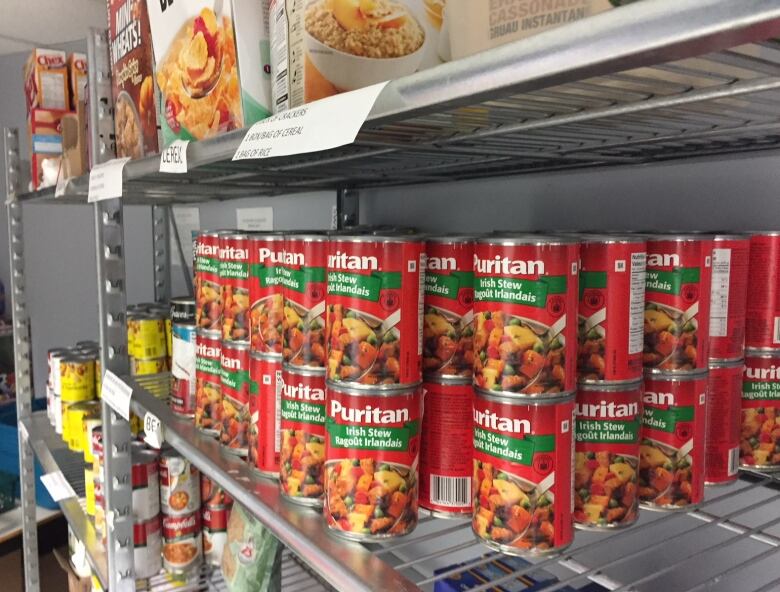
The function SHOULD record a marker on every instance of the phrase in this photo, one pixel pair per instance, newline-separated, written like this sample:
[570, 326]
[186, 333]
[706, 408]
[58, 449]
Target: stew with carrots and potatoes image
[605, 490]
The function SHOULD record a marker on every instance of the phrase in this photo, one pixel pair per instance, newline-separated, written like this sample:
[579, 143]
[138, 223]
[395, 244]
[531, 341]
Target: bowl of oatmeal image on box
[356, 43]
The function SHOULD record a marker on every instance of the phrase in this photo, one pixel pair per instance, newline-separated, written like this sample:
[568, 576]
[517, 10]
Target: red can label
[182, 544]
[448, 321]
[234, 266]
[671, 455]
[147, 548]
[612, 300]
[759, 444]
[677, 304]
[522, 474]
[179, 486]
[724, 393]
[235, 398]
[266, 294]
[208, 383]
[728, 297]
[525, 299]
[373, 443]
[304, 301]
[144, 531]
[446, 448]
[606, 459]
[762, 316]
[215, 518]
[265, 409]
[208, 293]
[373, 312]
[303, 435]
[212, 495]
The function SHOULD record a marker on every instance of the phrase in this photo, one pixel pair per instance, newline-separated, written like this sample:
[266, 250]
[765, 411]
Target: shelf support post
[347, 208]
[112, 308]
[22, 359]
[161, 240]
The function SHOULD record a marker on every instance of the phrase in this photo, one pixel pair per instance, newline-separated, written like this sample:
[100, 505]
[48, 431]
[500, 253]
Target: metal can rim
[392, 390]
[610, 387]
[525, 400]
[611, 239]
[378, 238]
[687, 376]
[447, 380]
[762, 352]
[727, 363]
[308, 237]
[303, 370]
[523, 239]
[266, 356]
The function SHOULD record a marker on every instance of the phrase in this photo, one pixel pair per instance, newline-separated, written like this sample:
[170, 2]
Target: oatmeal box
[135, 111]
[213, 70]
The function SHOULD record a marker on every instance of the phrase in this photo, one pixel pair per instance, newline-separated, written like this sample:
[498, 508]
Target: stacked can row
[149, 338]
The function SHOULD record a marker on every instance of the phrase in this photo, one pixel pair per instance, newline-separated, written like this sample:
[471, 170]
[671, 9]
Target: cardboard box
[74, 144]
[46, 80]
[213, 71]
[77, 76]
[44, 130]
[75, 583]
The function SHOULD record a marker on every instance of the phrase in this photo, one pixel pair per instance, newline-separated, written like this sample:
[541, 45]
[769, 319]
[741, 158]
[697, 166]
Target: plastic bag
[252, 559]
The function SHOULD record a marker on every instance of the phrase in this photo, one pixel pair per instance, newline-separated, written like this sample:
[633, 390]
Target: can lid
[382, 237]
[449, 380]
[762, 352]
[610, 387]
[58, 350]
[208, 333]
[509, 239]
[517, 399]
[235, 345]
[611, 238]
[655, 373]
[314, 236]
[270, 236]
[76, 356]
[236, 235]
[303, 370]
[763, 232]
[183, 310]
[385, 391]
[679, 237]
[724, 363]
[445, 239]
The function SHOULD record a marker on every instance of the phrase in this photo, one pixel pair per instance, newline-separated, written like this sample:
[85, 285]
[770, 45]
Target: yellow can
[98, 378]
[65, 406]
[169, 335]
[89, 489]
[90, 423]
[132, 331]
[150, 341]
[74, 418]
[145, 367]
[77, 378]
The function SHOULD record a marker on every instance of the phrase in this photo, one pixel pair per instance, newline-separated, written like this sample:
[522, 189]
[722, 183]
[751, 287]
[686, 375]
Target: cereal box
[77, 76]
[213, 70]
[46, 80]
[132, 76]
[44, 129]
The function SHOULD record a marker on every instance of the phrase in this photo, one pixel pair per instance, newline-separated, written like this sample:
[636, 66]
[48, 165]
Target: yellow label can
[89, 490]
[150, 340]
[74, 418]
[77, 378]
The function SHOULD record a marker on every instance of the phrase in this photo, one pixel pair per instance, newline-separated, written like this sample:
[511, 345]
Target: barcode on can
[450, 491]
[733, 461]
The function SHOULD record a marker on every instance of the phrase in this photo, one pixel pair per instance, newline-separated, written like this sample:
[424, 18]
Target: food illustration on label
[664, 474]
[235, 324]
[670, 339]
[605, 488]
[760, 434]
[208, 292]
[267, 330]
[234, 279]
[304, 338]
[300, 463]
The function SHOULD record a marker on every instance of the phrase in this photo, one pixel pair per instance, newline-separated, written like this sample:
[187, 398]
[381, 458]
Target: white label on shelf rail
[174, 158]
[105, 180]
[57, 486]
[321, 125]
[153, 431]
[116, 394]
[23, 433]
[255, 219]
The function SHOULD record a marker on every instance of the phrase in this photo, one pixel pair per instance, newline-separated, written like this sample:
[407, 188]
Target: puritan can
[677, 302]
[525, 303]
[182, 310]
[446, 447]
[372, 450]
[724, 401]
[147, 548]
[182, 401]
[179, 484]
[448, 318]
[182, 550]
[302, 454]
[150, 340]
[208, 383]
[759, 442]
[612, 300]
[607, 426]
[234, 423]
[90, 425]
[728, 296]
[215, 521]
[265, 412]
[146, 482]
[762, 314]
[523, 450]
[234, 279]
[375, 295]
[208, 293]
[75, 415]
[147, 367]
[266, 293]
[303, 275]
[77, 378]
[671, 453]
[212, 495]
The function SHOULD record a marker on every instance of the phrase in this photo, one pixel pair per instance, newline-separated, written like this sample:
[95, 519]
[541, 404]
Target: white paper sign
[174, 158]
[153, 431]
[23, 434]
[62, 185]
[105, 180]
[57, 486]
[321, 125]
[187, 219]
[116, 394]
[255, 218]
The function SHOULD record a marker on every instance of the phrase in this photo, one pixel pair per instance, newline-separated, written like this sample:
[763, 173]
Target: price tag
[105, 180]
[116, 394]
[321, 125]
[153, 431]
[57, 486]
[174, 158]
[255, 219]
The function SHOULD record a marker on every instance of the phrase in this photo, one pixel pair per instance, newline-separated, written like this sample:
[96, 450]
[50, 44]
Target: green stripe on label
[298, 279]
[207, 265]
[592, 279]
[760, 391]
[208, 366]
[607, 431]
[371, 437]
[234, 379]
[233, 270]
[268, 276]
[517, 291]
[670, 282]
[303, 412]
[362, 286]
[516, 450]
[666, 420]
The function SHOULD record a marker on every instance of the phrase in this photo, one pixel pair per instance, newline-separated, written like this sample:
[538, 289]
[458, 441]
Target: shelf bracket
[162, 253]
[112, 308]
[347, 208]
[22, 361]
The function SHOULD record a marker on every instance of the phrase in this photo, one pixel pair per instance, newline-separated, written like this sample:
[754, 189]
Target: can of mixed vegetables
[265, 393]
[724, 399]
[759, 445]
[208, 293]
[234, 281]
[266, 293]
[728, 296]
[235, 384]
[208, 383]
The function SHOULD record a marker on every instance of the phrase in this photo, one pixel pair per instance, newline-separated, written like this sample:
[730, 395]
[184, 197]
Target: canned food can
[77, 378]
[677, 302]
[671, 453]
[65, 422]
[612, 301]
[759, 445]
[728, 295]
[235, 398]
[146, 482]
[147, 548]
[525, 299]
[90, 425]
[305, 262]
[182, 311]
[150, 341]
[266, 293]
[141, 367]
[302, 452]
[182, 399]
[50, 404]
[372, 438]
[375, 294]
[100, 515]
[762, 315]
[182, 546]
[448, 317]
[97, 452]
[215, 521]
[234, 280]
[608, 421]
[265, 411]
[54, 356]
[89, 490]
[212, 495]
[179, 484]
[208, 293]
[523, 449]
[56, 400]
[446, 447]
[724, 400]
[76, 414]
[208, 383]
